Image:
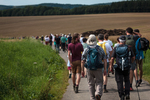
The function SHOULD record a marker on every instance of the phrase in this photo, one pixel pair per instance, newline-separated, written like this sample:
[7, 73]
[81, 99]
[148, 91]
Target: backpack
[130, 42]
[123, 57]
[143, 44]
[93, 62]
[103, 46]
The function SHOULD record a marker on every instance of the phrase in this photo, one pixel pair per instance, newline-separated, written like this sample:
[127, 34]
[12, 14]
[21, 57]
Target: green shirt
[63, 40]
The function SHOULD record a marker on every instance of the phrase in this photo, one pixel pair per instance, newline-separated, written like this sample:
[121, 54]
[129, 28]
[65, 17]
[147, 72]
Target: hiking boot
[127, 97]
[122, 97]
[131, 89]
[98, 97]
[105, 90]
[76, 89]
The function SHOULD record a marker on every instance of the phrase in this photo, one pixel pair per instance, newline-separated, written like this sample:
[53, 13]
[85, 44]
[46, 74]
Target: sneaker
[105, 90]
[98, 97]
[76, 89]
[127, 97]
[131, 89]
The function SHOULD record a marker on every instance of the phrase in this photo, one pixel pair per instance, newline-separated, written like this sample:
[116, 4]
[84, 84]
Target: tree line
[115, 7]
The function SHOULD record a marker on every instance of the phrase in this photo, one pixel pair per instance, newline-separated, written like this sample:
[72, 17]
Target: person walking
[123, 55]
[69, 38]
[63, 42]
[75, 48]
[108, 51]
[139, 60]
[85, 45]
[106, 36]
[46, 40]
[130, 41]
[42, 38]
[94, 69]
[57, 39]
[50, 39]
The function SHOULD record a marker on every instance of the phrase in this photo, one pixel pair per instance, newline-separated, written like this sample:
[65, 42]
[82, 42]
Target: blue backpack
[93, 62]
[123, 57]
[139, 51]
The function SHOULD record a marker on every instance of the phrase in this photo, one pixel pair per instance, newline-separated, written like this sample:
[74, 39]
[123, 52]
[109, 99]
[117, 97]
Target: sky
[31, 2]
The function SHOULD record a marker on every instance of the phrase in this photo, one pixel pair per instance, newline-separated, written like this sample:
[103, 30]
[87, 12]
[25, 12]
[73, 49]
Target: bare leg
[78, 78]
[73, 78]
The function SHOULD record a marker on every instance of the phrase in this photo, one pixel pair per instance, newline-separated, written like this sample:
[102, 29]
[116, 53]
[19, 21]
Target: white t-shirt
[47, 39]
[108, 49]
[108, 41]
[116, 45]
[81, 40]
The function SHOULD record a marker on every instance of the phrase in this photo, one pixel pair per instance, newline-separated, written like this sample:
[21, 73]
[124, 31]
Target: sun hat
[92, 40]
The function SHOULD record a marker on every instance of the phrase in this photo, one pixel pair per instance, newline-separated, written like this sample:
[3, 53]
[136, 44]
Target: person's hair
[129, 30]
[84, 39]
[106, 36]
[69, 34]
[100, 36]
[75, 36]
[117, 39]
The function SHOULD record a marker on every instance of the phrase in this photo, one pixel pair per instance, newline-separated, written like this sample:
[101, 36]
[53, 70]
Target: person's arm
[132, 59]
[69, 57]
[82, 67]
[105, 66]
[113, 56]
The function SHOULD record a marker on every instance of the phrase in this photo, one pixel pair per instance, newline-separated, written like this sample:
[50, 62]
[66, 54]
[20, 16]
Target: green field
[31, 71]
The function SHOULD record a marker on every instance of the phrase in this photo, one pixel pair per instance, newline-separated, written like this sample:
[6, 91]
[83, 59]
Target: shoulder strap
[98, 43]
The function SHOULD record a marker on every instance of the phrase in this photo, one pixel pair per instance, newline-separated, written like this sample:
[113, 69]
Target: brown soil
[44, 25]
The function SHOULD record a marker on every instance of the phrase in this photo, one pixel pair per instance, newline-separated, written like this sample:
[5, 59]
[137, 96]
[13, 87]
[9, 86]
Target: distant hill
[64, 6]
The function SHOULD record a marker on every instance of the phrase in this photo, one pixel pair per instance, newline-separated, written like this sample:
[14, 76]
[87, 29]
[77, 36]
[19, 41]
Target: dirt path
[144, 89]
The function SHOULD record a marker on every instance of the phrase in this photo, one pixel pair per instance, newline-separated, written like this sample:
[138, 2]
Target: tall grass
[31, 71]
[146, 66]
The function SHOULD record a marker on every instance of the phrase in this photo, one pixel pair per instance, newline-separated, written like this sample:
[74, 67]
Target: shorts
[69, 68]
[140, 63]
[76, 67]
[46, 42]
[133, 65]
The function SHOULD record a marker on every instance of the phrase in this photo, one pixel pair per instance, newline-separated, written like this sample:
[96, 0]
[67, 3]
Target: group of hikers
[94, 59]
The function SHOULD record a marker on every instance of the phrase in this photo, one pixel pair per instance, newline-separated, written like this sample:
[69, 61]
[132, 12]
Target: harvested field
[44, 25]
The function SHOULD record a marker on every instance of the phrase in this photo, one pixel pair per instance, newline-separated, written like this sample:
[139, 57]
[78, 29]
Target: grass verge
[31, 71]
[146, 66]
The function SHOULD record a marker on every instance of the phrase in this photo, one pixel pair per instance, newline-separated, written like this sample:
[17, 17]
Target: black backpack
[144, 44]
[123, 55]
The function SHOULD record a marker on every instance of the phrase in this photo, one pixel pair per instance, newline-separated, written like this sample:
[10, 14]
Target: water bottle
[122, 63]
